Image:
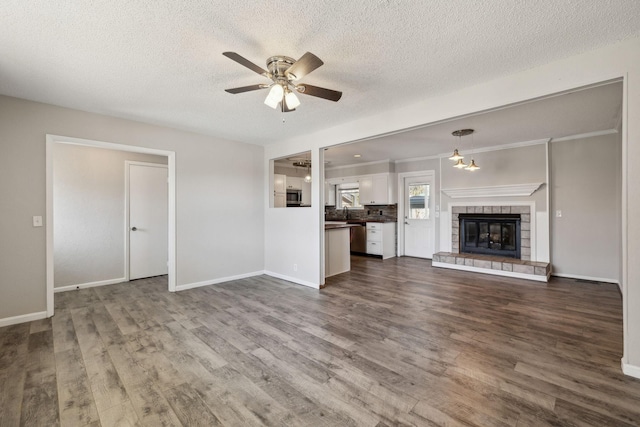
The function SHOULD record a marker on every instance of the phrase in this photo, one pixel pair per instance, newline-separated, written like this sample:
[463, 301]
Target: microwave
[294, 197]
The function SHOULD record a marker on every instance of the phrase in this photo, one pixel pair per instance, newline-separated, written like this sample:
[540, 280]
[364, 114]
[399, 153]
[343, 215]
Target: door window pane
[418, 201]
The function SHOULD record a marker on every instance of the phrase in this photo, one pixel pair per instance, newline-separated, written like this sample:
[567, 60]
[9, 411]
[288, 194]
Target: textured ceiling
[160, 61]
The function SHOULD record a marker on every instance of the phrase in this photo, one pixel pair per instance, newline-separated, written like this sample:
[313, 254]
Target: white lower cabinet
[381, 239]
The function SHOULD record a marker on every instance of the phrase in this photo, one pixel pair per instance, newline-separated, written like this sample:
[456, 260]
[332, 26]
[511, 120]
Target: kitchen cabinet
[280, 200]
[375, 190]
[279, 191]
[294, 183]
[306, 193]
[329, 194]
[279, 183]
[381, 239]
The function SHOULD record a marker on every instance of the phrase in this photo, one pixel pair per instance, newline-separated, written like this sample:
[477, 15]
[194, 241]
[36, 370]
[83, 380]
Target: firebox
[490, 234]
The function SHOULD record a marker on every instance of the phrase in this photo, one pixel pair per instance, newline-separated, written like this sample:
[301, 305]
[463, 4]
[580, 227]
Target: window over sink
[348, 196]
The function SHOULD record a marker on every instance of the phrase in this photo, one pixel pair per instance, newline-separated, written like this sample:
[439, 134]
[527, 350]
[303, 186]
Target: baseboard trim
[490, 271]
[216, 281]
[8, 321]
[89, 285]
[589, 278]
[293, 279]
[630, 370]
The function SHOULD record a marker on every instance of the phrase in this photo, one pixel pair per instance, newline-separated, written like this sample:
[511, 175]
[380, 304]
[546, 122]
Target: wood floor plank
[40, 398]
[77, 401]
[189, 407]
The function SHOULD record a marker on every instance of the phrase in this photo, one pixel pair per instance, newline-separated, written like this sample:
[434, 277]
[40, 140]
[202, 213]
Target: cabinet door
[366, 191]
[280, 200]
[306, 193]
[279, 183]
[329, 194]
[294, 183]
[374, 190]
[380, 189]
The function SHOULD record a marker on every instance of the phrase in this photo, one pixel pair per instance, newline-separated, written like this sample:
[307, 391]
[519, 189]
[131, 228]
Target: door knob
[134, 228]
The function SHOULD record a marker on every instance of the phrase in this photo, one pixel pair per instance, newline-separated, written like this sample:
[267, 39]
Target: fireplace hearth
[490, 234]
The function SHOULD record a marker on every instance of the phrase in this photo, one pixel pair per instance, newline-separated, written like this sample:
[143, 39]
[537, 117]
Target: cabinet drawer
[374, 248]
[374, 235]
[374, 226]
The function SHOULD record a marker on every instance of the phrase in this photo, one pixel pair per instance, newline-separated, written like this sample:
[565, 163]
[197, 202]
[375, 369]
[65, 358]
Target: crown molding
[513, 190]
[355, 165]
[585, 135]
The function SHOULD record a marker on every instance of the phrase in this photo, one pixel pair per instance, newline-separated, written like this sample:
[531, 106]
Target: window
[418, 201]
[348, 196]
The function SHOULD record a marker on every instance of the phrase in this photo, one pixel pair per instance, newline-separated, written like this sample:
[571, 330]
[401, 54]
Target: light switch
[37, 221]
[558, 214]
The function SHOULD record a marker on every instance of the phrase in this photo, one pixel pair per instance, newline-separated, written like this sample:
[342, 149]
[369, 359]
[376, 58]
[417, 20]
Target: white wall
[219, 198]
[89, 212]
[621, 60]
[586, 187]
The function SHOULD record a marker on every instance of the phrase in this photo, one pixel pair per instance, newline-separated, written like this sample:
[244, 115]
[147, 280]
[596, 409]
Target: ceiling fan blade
[246, 88]
[243, 61]
[303, 66]
[320, 92]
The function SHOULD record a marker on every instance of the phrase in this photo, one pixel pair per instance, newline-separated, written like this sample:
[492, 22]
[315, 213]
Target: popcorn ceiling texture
[161, 61]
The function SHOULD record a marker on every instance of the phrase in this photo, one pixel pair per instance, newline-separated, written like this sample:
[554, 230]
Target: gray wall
[219, 234]
[89, 212]
[586, 176]
[356, 170]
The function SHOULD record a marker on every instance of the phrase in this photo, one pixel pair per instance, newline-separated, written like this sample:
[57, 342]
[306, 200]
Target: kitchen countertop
[360, 221]
[335, 226]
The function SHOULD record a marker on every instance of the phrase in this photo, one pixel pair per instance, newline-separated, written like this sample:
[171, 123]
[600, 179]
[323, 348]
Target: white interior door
[418, 217]
[148, 222]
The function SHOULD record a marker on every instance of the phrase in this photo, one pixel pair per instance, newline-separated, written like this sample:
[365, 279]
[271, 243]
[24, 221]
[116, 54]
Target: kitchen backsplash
[369, 213]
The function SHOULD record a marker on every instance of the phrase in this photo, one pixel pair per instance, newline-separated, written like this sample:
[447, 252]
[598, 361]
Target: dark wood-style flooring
[392, 342]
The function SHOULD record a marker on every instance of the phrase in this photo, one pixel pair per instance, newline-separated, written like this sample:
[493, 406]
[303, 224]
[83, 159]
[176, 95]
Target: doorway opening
[53, 141]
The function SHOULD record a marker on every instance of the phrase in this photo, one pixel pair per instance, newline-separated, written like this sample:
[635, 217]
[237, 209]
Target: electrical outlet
[558, 214]
[295, 267]
[37, 221]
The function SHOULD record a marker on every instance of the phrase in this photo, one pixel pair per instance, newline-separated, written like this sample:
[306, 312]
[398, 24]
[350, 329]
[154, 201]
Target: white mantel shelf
[494, 191]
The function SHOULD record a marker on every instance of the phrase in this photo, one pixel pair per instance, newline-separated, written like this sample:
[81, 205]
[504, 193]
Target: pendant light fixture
[472, 166]
[460, 164]
[306, 163]
[456, 157]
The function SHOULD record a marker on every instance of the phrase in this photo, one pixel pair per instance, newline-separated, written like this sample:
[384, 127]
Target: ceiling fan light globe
[275, 96]
[292, 100]
[271, 102]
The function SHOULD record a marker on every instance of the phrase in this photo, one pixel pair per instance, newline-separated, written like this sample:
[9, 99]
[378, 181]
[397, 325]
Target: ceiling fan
[284, 73]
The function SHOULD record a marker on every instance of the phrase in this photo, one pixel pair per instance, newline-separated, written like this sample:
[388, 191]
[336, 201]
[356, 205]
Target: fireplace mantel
[494, 191]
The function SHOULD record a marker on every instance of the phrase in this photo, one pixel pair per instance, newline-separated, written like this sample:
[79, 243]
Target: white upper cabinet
[294, 183]
[375, 190]
[329, 194]
[306, 193]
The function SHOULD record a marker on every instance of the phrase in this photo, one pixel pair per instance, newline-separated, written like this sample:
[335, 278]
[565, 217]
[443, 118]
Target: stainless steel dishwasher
[359, 239]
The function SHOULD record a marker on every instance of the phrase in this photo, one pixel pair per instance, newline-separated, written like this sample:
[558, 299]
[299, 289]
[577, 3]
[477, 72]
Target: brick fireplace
[509, 265]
